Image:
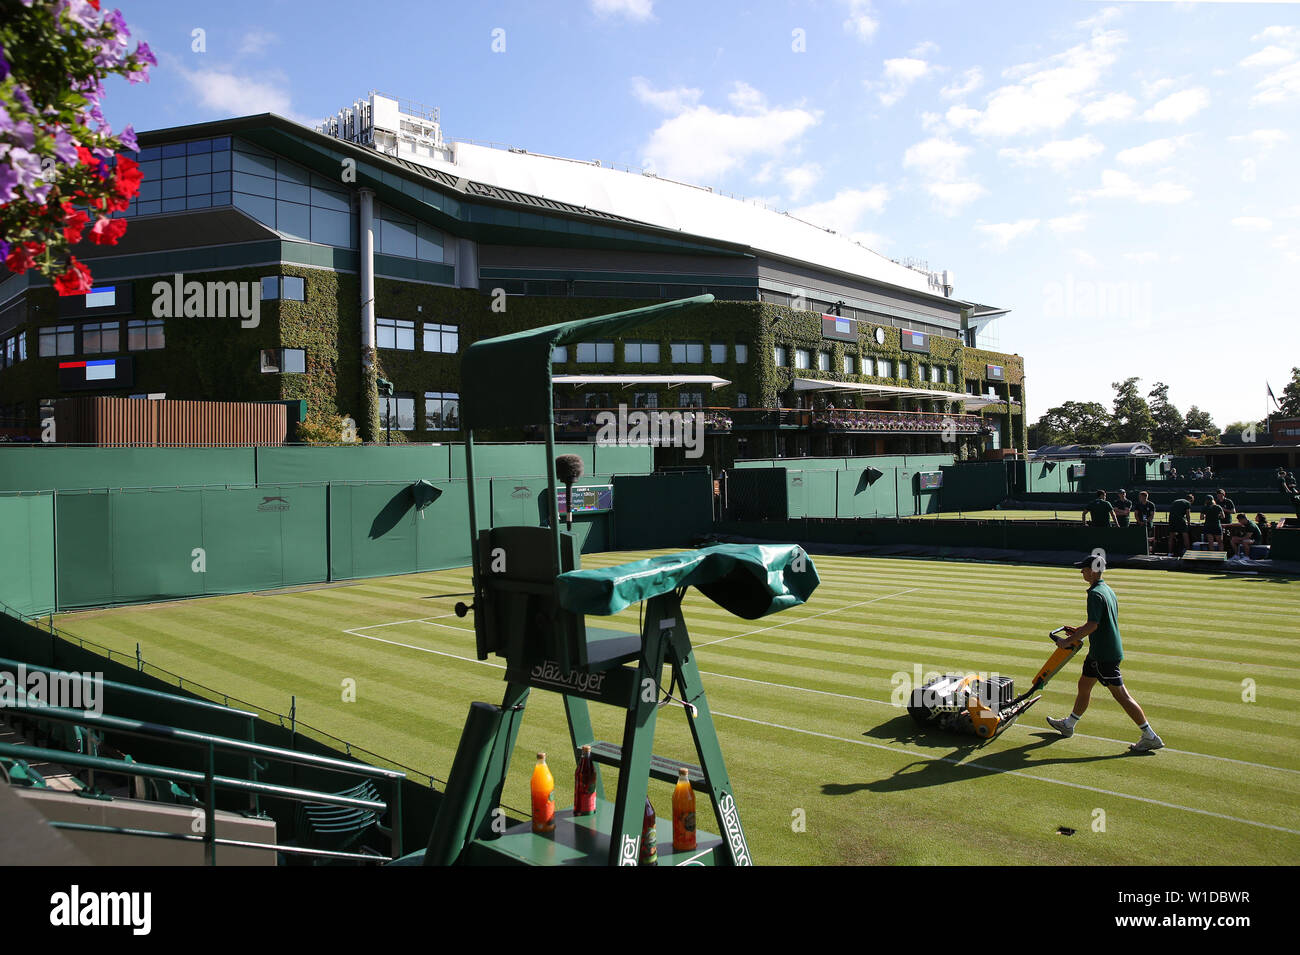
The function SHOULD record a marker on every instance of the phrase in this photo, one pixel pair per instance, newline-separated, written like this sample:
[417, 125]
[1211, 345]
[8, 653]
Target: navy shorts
[1105, 671]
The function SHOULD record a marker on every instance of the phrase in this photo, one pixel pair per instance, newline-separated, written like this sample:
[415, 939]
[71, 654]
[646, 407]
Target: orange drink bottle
[683, 813]
[543, 787]
[584, 784]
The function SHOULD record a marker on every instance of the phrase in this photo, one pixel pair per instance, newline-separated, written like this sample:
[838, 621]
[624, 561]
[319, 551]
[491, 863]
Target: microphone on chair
[568, 468]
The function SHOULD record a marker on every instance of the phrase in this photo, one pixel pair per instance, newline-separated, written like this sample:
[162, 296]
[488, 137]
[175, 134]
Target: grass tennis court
[804, 706]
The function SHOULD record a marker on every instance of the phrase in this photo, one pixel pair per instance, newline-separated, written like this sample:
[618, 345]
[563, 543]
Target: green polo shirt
[1252, 528]
[1100, 511]
[1104, 643]
[1179, 510]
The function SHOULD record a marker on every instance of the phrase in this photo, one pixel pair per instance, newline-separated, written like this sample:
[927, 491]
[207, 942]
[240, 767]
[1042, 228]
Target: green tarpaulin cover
[749, 580]
[506, 381]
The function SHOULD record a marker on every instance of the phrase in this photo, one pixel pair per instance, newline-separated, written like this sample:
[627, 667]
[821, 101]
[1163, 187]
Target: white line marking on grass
[408, 646]
[447, 626]
[789, 623]
[1017, 725]
[394, 623]
[1011, 772]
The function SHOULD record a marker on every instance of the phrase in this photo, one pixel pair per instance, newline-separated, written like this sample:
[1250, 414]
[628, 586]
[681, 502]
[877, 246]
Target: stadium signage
[628, 854]
[613, 687]
[274, 504]
[994, 372]
[97, 373]
[914, 341]
[735, 835]
[839, 327]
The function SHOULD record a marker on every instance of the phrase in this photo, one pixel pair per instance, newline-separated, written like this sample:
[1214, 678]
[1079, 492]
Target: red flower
[75, 281]
[127, 182]
[85, 156]
[74, 222]
[22, 256]
[107, 231]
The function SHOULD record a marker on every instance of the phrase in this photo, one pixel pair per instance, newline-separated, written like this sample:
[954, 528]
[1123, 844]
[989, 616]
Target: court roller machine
[983, 706]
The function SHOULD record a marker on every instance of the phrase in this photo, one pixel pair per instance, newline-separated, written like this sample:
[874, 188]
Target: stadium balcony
[580, 423]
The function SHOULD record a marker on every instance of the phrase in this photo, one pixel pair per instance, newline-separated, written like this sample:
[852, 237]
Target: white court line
[408, 646]
[394, 623]
[790, 623]
[1017, 725]
[1011, 772]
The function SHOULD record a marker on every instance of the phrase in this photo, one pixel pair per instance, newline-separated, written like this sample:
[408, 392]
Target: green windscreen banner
[27, 552]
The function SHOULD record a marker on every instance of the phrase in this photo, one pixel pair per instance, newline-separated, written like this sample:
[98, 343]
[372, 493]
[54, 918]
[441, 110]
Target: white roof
[895, 391]
[690, 210]
[662, 381]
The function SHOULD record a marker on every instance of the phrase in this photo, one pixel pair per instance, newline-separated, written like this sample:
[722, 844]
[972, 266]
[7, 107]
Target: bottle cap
[541, 755]
[683, 772]
[586, 749]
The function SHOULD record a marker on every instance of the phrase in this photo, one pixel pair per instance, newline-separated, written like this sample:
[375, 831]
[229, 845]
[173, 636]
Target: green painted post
[210, 808]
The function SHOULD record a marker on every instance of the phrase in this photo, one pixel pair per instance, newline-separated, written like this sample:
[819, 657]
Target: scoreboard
[589, 499]
[929, 480]
[97, 373]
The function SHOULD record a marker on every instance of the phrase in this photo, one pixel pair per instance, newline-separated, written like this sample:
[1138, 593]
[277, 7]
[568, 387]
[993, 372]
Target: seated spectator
[1262, 521]
[1243, 535]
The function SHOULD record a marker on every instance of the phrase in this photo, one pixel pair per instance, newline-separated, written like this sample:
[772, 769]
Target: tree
[61, 177]
[1167, 421]
[1238, 432]
[1198, 420]
[1290, 400]
[1131, 418]
[1074, 422]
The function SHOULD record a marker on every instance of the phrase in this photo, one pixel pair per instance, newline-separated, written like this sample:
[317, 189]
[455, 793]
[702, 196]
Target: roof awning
[975, 402]
[627, 381]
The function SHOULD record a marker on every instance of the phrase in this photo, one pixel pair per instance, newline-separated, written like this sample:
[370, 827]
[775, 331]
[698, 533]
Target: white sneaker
[1061, 726]
[1147, 743]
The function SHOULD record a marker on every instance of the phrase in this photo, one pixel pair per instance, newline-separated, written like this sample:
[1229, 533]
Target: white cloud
[951, 197]
[1059, 154]
[799, 179]
[1278, 87]
[1153, 88]
[701, 143]
[1178, 107]
[860, 22]
[845, 211]
[256, 41]
[1253, 223]
[1143, 258]
[937, 158]
[1265, 139]
[1067, 224]
[1119, 185]
[234, 94]
[669, 101]
[1107, 108]
[1085, 258]
[1099, 19]
[632, 9]
[1048, 93]
[1002, 234]
[924, 49]
[1156, 151]
[962, 116]
[900, 74]
[1278, 33]
[968, 83]
[933, 123]
[1269, 56]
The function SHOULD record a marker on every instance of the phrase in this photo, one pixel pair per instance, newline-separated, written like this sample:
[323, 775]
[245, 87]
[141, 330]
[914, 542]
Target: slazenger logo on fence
[659, 429]
[72, 691]
[181, 299]
[735, 835]
[75, 907]
[522, 491]
[273, 504]
[550, 673]
[628, 855]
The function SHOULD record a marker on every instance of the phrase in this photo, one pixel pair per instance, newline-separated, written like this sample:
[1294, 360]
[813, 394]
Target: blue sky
[1121, 175]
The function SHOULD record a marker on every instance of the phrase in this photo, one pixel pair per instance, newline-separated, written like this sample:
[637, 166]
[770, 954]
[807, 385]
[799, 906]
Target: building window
[742, 400]
[903, 371]
[398, 412]
[742, 353]
[101, 297]
[291, 288]
[560, 354]
[590, 352]
[690, 399]
[802, 358]
[823, 361]
[884, 368]
[781, 355]
[848, 364]
[950, 376]
[98, 338]
[688, 353]
[395, 333]
[22, 347]
[441, 411]
[145, 334]
[597, 399]
[718, 352]
[58, 340]
[288, 361]
[442, 339]
[936, 374]
[646, 353]
[645, 399]
[10, 350]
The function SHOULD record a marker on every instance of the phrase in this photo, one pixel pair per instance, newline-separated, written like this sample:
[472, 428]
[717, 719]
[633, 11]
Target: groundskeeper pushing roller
[982, 706]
